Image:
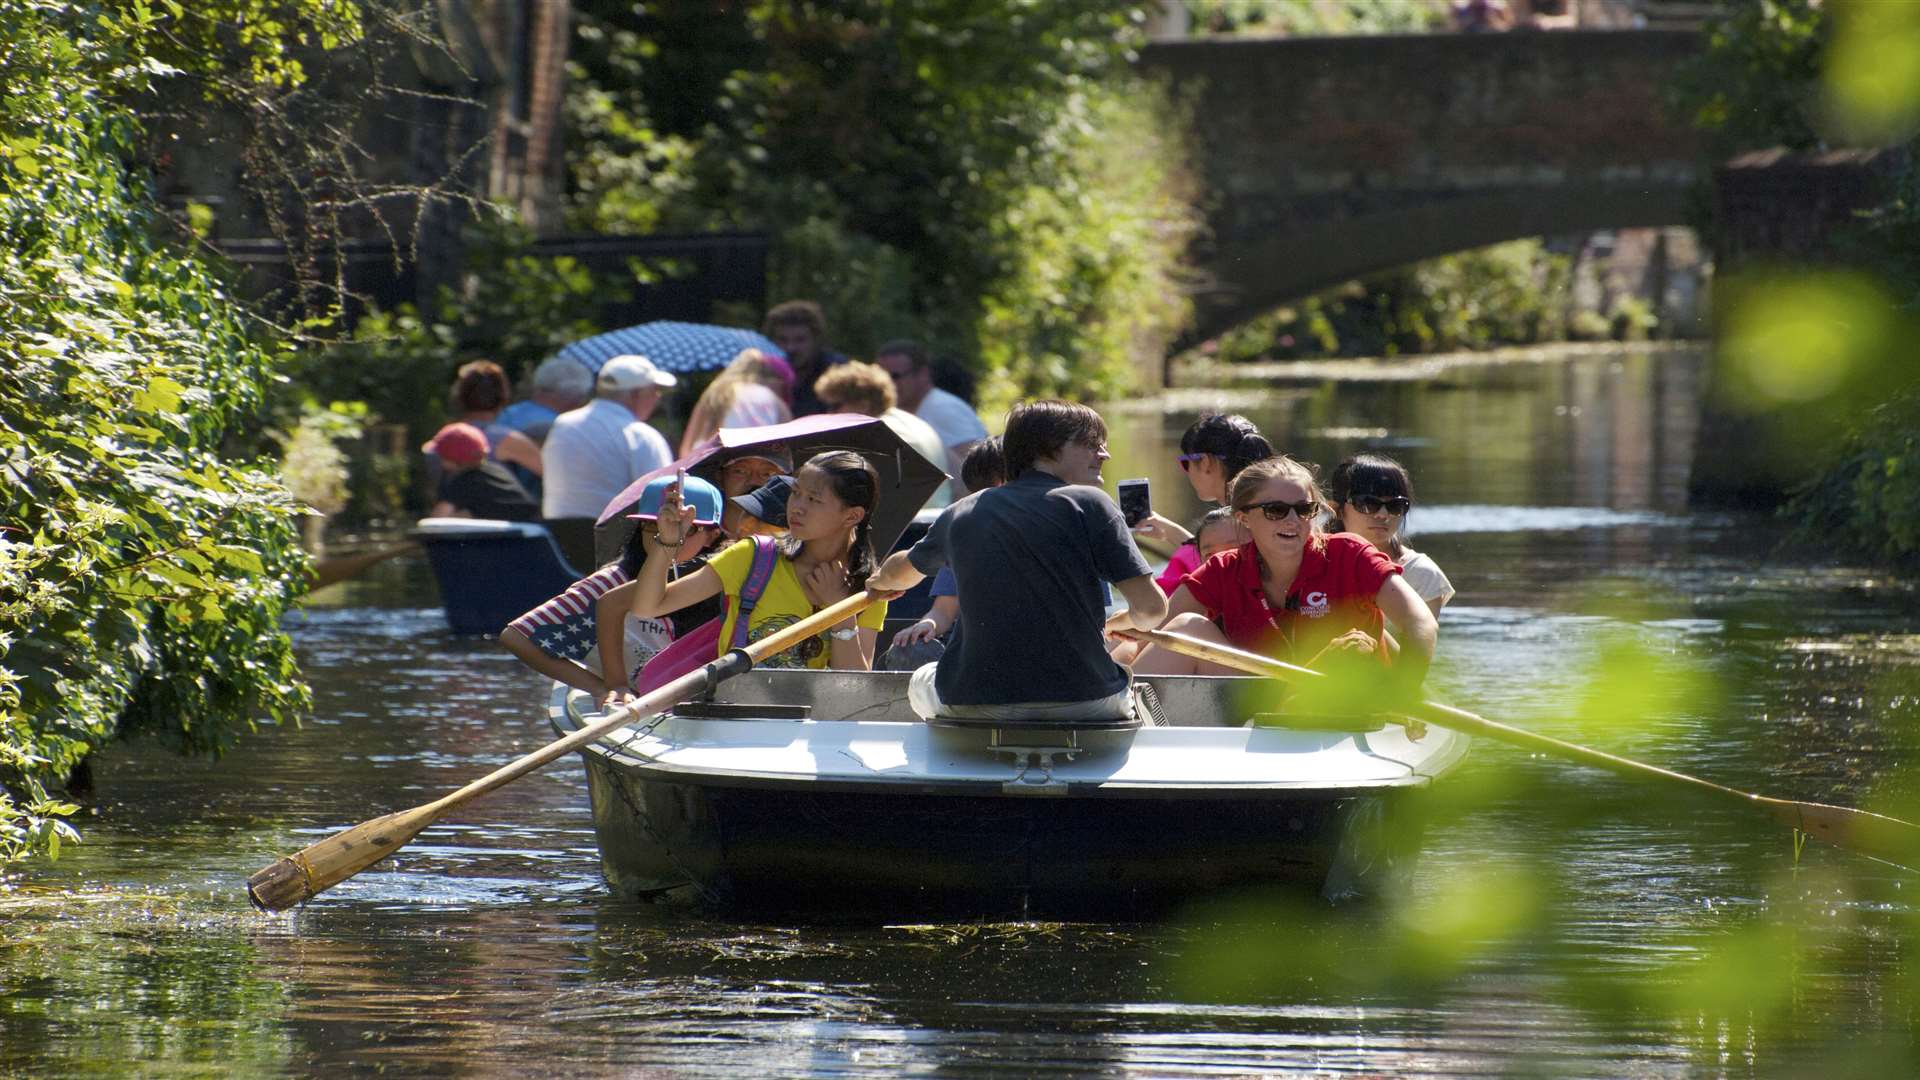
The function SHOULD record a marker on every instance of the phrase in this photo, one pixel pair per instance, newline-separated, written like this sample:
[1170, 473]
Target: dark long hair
[1368, 474]
[857, 483]
[1230, 437]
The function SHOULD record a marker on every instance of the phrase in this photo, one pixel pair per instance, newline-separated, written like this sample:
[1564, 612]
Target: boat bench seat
[1012, 723]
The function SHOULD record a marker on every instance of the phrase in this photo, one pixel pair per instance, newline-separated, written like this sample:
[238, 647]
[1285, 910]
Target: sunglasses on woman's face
[1186, 460]
[1372, 504]
[1278, 509]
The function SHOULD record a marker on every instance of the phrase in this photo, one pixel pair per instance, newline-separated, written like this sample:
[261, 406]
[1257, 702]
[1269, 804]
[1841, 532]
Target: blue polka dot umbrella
[679, 347]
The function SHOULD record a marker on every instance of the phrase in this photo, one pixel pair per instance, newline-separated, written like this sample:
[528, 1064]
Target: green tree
[144, 566]
[934, 167]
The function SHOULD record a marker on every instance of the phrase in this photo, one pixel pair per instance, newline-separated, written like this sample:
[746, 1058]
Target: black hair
[985, 466]
[915, 352]
[1368, 474]
[1230, 437]
[1041, 429]
[857, 483]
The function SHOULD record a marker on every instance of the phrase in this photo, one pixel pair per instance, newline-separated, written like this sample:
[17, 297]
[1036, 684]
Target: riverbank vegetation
[1819, 350]
[147, 549]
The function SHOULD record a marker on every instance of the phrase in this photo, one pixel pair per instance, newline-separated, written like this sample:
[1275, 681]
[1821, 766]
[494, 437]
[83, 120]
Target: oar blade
[314, 869]
[1864, 831]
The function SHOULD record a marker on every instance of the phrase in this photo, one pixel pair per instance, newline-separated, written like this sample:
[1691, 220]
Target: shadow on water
[1560, 922]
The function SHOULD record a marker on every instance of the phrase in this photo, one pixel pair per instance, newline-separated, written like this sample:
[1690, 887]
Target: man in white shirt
[593, 452]
[958, 426]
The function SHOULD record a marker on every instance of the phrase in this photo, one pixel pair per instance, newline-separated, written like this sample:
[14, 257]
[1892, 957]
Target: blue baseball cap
[702, 496]
[768, 502]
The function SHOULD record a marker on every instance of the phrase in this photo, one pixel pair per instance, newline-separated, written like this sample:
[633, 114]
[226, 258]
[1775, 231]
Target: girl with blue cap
[565, 637]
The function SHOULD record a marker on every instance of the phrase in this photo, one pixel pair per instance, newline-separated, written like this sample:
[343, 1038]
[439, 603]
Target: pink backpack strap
[766, 554]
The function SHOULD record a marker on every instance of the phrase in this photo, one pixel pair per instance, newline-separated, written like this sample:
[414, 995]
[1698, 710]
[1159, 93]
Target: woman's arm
[552, 667]
[1163, 529]
[519, 450]
[1419, 631]
[938, 620]
[653, 595]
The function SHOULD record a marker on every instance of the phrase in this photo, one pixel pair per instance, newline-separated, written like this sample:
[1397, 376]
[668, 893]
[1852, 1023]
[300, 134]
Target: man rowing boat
[1029, 558]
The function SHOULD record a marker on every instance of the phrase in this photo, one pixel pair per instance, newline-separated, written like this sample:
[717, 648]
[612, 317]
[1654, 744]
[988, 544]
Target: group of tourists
[1026, 561]
[583, 436]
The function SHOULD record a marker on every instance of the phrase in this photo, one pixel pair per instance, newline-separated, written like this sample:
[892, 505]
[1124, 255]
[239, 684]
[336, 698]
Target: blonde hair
[750, 367]
[866, 387]
[1248, 482]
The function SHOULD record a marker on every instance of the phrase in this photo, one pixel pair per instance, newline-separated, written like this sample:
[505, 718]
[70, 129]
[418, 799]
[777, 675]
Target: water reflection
[1554, 496]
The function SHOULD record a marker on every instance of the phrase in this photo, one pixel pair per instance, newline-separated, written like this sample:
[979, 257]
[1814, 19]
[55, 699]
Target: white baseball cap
[632, 373]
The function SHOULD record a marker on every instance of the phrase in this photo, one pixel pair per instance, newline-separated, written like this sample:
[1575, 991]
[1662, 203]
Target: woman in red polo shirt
[1294, 589]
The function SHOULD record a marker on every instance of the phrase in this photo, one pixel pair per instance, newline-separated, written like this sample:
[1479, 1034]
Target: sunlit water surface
[1560, 923]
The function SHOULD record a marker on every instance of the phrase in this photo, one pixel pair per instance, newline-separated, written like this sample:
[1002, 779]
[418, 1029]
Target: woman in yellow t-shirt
[825, 558]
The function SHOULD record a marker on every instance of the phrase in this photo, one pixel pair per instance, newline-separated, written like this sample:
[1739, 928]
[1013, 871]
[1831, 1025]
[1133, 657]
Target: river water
[1561, 922]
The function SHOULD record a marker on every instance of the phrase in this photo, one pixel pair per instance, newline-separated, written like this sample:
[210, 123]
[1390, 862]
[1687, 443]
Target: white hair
[564, 375]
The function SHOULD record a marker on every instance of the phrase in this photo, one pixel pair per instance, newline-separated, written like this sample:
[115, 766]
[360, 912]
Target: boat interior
[881, 696]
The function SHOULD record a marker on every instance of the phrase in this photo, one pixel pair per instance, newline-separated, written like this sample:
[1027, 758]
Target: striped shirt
[564, 626]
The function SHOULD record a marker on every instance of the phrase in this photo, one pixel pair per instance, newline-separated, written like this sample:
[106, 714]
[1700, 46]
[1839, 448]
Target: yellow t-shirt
[781, 604]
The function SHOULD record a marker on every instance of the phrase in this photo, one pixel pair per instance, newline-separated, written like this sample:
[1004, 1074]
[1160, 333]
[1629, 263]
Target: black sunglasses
[1278, 509]
[1371, 504]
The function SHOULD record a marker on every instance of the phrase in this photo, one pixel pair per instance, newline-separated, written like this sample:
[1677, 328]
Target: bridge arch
[1322, 159]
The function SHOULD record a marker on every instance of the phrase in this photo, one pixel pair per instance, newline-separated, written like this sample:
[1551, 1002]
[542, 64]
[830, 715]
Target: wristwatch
[848, 634]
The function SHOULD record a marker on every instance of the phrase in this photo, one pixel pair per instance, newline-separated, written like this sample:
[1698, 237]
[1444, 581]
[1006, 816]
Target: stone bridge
[1322, 159]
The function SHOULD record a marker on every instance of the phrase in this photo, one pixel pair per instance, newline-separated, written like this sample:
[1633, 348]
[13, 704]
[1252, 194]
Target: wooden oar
[1864, 831]
[321, 866]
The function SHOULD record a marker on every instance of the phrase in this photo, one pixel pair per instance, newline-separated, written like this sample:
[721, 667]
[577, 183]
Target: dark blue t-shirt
[1030, 558]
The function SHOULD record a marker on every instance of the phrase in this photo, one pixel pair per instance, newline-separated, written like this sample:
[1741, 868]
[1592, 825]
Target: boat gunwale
[617, 759]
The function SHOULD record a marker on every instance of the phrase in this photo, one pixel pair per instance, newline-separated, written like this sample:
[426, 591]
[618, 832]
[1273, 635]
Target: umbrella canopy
[680, 347]
[907, 478]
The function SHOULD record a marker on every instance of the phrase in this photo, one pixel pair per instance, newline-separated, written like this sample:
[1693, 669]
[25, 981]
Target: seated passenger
[764, 509]
[856, 387]
[1372, 495]
[985, 467]
[755, 390]
[1293, 590]
[470, 485]
[826, 557]
[565, 637]
[1213, 450]
[744, 471]
[1029, 559]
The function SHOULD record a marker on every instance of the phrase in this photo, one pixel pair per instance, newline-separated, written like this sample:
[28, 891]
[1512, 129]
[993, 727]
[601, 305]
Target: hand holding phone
[1136, 504]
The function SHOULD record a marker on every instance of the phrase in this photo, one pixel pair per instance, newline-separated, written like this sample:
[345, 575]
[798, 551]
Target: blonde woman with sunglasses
[1295, 591]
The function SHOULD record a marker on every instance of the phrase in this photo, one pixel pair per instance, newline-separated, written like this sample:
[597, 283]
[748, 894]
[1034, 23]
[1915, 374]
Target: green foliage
[1300, 18]
[1508, 294]
[1754, 86]
[143, 572]
[509, 306]
[1870, 500]
[931, 169]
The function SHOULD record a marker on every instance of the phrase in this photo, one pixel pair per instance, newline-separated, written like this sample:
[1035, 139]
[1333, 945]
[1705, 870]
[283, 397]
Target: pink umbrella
[907, 479]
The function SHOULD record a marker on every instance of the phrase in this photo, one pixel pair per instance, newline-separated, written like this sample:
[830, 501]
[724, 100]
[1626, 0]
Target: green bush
[1507, 294]
[1869, 501]
[508, 305]
[143, 571]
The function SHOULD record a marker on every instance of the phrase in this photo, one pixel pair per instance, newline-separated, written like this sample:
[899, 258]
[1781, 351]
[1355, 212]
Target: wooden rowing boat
[819, 792]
